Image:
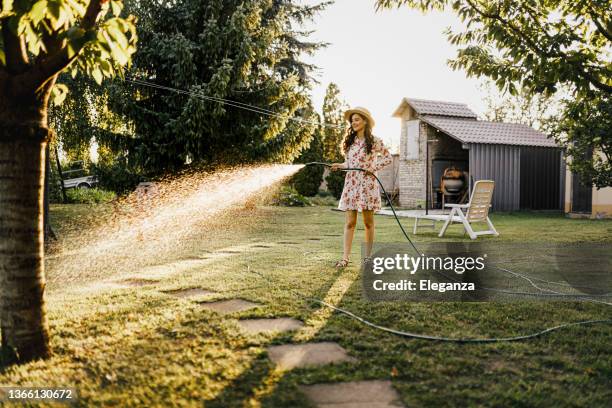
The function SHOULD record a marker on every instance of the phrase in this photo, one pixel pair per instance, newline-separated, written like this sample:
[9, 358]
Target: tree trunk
[22, 280]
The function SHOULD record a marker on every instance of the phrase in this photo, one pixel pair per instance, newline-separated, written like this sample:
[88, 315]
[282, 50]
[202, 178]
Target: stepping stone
[290, 356]
[354, 394]
[187, 293]
[281, 324]
[224, 307]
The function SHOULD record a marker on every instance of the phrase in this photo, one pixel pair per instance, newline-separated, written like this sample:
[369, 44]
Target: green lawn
[139, 346]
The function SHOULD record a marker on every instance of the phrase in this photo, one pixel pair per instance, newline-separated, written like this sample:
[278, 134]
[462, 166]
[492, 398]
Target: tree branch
[14, 49]
[51, 65]
[600, 27]
[546, 54]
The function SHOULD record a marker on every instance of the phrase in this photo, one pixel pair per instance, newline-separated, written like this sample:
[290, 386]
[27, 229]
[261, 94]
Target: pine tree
[333, 110]
[243, 51]
[333, 116]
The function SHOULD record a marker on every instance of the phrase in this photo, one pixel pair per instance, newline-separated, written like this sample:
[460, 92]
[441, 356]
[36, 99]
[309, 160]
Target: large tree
[226, 85]
[40, 39]
[539, 46]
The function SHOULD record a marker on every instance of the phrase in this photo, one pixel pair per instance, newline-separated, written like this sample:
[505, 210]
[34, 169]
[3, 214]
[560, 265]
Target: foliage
[308, 179]
[540, 47]
[288, 196]
[535, 44]
[324, 200]
[335, 183]
[77, 128]
[117, 176]
[333, 116]
[89, 196]
[524, 107]
[247, 52]
[86, 36]
[586, 130]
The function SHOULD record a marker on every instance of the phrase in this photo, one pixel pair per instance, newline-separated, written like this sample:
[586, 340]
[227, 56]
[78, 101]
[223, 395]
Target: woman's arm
[338, 166]
[386, 159]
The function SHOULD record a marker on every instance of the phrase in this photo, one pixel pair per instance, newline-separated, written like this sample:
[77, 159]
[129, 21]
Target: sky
[377, 58]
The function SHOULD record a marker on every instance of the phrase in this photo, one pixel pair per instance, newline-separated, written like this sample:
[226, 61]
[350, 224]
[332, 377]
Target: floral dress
[361, 190]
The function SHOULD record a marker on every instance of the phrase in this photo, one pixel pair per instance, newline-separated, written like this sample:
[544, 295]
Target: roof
[428, 107]
[480, 131]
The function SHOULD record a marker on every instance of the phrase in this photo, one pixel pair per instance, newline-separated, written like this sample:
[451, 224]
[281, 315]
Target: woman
[361, 191]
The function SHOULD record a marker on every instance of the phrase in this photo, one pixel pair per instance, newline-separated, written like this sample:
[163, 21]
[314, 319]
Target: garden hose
[417, 335]
[383, 190]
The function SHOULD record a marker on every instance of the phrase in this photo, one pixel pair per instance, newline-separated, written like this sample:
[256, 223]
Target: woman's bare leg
[368, 223]
[349, 232]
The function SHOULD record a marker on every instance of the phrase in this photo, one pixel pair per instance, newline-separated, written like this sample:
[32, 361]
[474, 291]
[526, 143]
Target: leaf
[97, 74]
[7, 5]
[58, 93]
[116, 7]
[38, 11]
[77, 7]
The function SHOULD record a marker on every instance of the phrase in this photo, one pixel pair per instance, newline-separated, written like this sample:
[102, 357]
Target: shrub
[117, 176]
[289, 197]
[328, 200]
[335, 183]
[307, 180]
[89, 196]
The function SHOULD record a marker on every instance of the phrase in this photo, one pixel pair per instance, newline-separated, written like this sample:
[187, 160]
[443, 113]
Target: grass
[137, 346]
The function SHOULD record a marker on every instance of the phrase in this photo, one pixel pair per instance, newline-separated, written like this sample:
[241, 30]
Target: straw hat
[362, 111]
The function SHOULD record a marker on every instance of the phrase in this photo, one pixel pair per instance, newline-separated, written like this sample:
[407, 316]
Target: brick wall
[412, 172]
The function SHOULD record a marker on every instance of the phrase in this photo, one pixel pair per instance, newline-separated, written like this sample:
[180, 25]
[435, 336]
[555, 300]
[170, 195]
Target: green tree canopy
[246, 52]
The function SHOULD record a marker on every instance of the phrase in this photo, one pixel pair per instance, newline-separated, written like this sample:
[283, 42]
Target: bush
[328, 200]
[335, 183]
[289, 197]
[116, 177]
[307, 180]
[89, 196]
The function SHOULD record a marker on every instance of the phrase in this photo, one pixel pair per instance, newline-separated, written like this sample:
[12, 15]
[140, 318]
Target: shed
[527, 166]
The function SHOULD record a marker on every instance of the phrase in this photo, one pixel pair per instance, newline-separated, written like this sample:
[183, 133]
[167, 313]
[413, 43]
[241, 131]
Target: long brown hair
[349, 136]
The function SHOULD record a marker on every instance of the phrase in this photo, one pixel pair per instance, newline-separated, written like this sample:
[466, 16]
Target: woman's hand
[337, 166]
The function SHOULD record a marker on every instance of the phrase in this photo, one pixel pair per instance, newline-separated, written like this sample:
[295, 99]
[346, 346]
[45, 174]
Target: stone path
[354, 394]
[289, 356]
[281, 324]
[224, 307]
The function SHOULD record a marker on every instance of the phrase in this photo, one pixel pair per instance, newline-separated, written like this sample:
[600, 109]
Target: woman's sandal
[342, 263]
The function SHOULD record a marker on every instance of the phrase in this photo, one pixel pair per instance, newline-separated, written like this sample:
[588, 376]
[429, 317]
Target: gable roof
[480, 131]
[429, 107]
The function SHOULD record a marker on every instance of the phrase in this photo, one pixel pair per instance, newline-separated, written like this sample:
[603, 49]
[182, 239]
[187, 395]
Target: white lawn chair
[477, 211]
